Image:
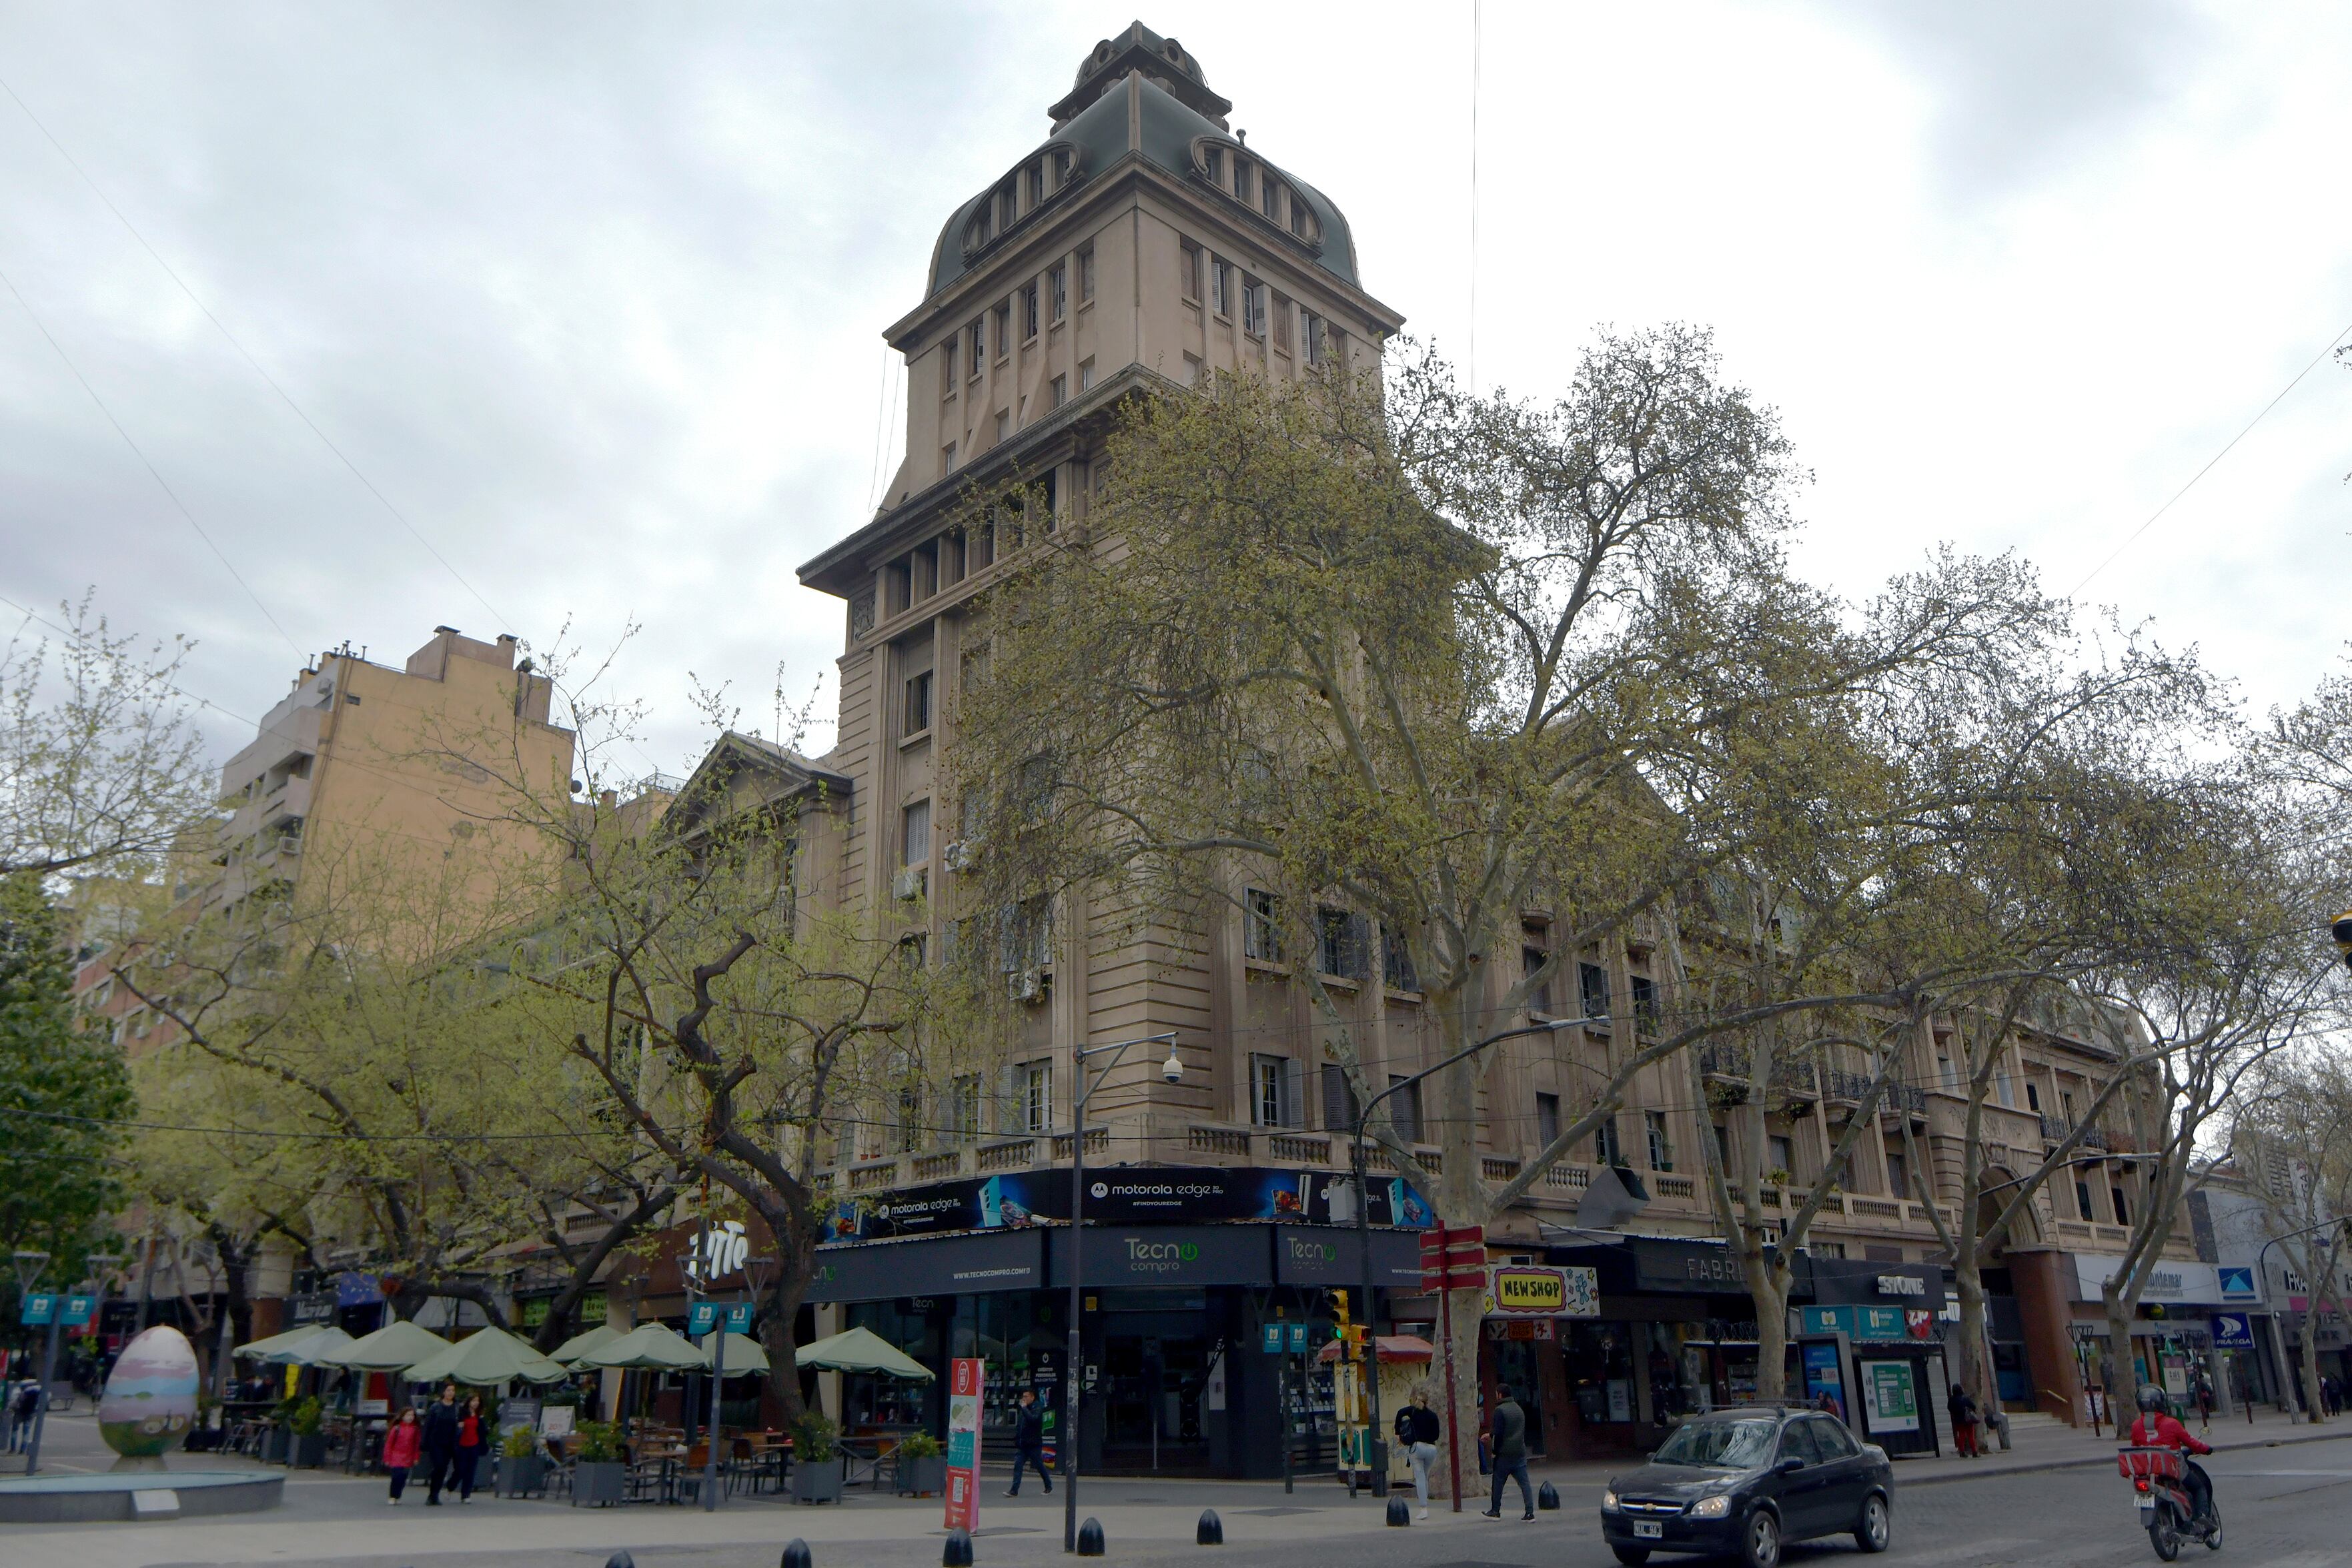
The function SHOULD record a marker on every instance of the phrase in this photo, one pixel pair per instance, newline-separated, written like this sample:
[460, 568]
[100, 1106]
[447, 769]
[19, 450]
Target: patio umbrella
[648, 1347]
[744, 1354]
[862, 1350]
[391, 1347]
[261, 1348]
[487, 1356]
[580, 1344]
[319, 1347]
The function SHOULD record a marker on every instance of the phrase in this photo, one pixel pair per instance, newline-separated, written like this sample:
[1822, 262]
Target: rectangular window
[1396, 962]
[1216, 162]
[963, 1105]
[1262, 927]
[948, 368]
[2122, 1209]
[1253, 308]
[1532, 958]
[1898, 1175]
[1343, 943]
[1057, 293]
[947, 459]
[2032, 1097]
[1780, 1155]
[1220, 288]
[1313, 334]
[1036, 185]
[1005, 329]
[1404, 1108]
[977, 337]
[1085, 374]
[1028, 312]
[919, 704]
[1605, 1148]
[1190, 272]
[1662, 1148]
[1195, 372]
[1645, 1001]
[1086, 276]
[1003, 426]
[1059, 393]
[2082, 1201]
[909, 1130]
[1270, 1090]
[1338, 1100]
[915, 834]
[1547, 1120]
[1281, 322]
[1593, 989]
[1037, 1096]
[1269, 199]
[1242, 172]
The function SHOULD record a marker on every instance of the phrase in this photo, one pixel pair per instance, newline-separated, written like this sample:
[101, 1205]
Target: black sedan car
[1742, 1481]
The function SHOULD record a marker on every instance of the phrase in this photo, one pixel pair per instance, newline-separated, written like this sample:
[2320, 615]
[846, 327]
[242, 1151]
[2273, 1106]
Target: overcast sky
[593, 294]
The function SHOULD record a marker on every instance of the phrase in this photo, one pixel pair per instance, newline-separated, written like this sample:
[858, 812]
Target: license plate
[1648, 1529]
[2147, 1502]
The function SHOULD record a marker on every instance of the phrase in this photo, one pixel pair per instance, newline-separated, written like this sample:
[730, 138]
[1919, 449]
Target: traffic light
[2342, 930]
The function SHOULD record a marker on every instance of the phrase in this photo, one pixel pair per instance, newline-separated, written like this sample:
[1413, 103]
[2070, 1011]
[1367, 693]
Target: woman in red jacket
[401, 1446]
[473, 1433]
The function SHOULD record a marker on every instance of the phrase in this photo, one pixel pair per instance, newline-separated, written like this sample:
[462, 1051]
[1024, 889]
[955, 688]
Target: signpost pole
[711, 1435]
[1453, 1404]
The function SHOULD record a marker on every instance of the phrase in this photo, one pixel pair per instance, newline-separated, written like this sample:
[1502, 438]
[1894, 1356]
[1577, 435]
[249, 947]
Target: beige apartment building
[1144, 242]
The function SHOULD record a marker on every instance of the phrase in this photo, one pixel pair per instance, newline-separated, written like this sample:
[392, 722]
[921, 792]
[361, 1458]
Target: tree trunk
[2123, 1379]
[2315, 1407]
[1768, 1285]
[1969, 1282]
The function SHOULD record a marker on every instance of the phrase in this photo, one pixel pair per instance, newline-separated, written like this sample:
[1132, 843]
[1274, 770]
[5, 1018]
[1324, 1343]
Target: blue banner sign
[37, 1309]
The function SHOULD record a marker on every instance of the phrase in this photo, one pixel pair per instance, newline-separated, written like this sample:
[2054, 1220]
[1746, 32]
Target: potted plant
[922, 1466]
[310, 1441]
[816, 1460]
[276, 1446]
[522, 1469]
[600, 1473]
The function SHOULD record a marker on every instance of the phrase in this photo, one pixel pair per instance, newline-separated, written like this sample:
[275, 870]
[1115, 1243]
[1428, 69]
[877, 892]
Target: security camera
[1172, 1068]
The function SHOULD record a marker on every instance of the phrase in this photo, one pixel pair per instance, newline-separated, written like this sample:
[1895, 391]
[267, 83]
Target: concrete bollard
[1548, 1496]
[958, 1550]
[796, 1554]
[1090, 1538]
[1212, 1531]
[1400, 1510]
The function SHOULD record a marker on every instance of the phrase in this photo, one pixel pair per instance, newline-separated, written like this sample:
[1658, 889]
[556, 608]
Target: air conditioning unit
[960, 855]
[1026, 985]
[911, 882]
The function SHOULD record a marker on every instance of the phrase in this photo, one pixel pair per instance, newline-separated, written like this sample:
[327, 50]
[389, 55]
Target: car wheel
[1762, 1541]
[1876, 1527]
[1634, 1555]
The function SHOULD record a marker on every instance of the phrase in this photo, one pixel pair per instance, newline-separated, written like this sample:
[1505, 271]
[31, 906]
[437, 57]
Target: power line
[161, 482]
[222, 327]
[2217, 457]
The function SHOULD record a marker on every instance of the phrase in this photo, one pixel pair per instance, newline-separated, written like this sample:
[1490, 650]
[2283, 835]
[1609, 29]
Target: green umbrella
[580, 1344]
[862, 1350]
[744, 1354]
[648, 1347]
[318, 1347]
[261, 1348]
[391, 1347]
[485, 1357]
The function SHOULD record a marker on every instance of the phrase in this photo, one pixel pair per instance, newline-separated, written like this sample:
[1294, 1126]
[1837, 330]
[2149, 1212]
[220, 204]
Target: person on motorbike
[2156, 1428]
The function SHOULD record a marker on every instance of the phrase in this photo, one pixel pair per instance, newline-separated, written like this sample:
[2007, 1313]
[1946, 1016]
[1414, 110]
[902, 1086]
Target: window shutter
[1338, 1100]
[1294, 1093]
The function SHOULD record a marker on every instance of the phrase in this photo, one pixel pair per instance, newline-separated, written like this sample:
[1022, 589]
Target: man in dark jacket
[1029, 1442]
[440, 1443]
[1506, 1444]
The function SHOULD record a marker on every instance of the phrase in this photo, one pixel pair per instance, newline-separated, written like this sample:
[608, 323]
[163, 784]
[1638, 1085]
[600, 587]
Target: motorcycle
[2160, 1493]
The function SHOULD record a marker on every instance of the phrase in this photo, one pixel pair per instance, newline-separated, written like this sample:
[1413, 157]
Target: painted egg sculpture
[151, 1396]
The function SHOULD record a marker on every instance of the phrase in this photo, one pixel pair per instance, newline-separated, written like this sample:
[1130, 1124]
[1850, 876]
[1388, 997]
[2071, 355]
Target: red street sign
[1454, 1259]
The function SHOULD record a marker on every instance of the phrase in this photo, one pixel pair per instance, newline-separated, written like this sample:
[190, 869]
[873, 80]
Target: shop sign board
[2170, 1282]
[1686, 1266]
[1878, 1326]
[36, 1309]
[1894, 1396]
[966, 1376]
[1517, 1289]
[78, 1310]
[2233, 1331]
[1454, 1259]
[944, 1266]
[2237, 1282]
[1188, 1194]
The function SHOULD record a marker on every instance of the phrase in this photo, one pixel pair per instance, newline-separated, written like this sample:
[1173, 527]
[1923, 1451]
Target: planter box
[816, 1480]
[925, 1476]
[273, 1447]
[522, 1477]
[309, 1450]
[595, 1485]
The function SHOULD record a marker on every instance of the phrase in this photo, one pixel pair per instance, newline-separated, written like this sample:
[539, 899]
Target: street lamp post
[1081, 1092]
[1376, 1451]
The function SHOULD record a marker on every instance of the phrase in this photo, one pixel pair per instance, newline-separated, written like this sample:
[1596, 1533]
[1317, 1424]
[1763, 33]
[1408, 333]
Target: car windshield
[1728, 1444]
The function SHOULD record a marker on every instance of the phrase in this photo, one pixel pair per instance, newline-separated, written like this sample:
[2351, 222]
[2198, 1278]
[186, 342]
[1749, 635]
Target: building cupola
[1162, 60]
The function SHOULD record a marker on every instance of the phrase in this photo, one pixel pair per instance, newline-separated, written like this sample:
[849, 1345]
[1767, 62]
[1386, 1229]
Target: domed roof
[1163, 130]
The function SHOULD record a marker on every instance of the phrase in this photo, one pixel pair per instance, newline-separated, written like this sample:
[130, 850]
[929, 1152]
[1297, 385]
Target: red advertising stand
[966, 1376]
[1453, 1261]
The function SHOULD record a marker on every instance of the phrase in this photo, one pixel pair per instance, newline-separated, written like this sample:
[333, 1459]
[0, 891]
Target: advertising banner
[1527, 1290]
[2233, 1331]
[1894, 1397]
[965, 1387]
[1822, 1376]
[1125, 1194]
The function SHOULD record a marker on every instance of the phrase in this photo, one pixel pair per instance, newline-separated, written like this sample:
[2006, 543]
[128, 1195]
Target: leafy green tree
[63, 1090]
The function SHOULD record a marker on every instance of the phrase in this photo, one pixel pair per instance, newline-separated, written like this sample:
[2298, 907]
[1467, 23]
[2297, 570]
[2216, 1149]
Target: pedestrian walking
[1416, 1434]
[402, 1446]
[440, 1444]
[2204, 1403]
[1029, 1442]
[1963, 1411]
[473, 1428]
[29, 1405]
[1506, 1431]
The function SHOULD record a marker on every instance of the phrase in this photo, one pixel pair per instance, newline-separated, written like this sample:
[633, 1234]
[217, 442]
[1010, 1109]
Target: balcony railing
[1727, 1067]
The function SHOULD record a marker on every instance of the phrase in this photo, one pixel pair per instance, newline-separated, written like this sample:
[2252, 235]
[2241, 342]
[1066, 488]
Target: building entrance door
[1152, 1392]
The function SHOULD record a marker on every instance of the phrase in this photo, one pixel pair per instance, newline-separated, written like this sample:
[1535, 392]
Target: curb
[2095, 1461]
